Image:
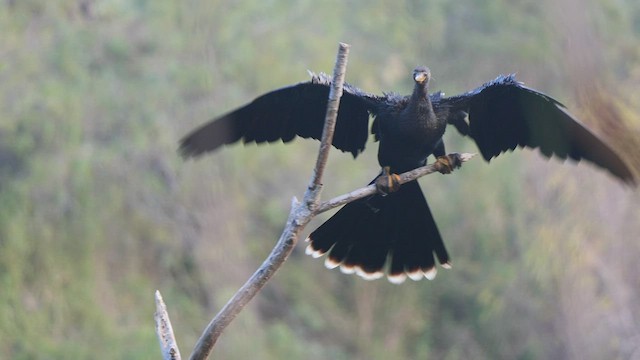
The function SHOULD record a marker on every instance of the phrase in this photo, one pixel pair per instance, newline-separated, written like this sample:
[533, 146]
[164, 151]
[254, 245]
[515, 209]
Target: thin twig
[371, 189]
[332, 115]
[168, 344]
[300, 215]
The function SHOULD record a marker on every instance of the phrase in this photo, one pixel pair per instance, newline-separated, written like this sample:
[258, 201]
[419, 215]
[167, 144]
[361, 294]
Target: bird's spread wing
[504, 114]
[284, 113]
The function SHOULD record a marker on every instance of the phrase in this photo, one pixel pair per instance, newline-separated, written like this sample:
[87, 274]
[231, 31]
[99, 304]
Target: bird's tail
[368, 233]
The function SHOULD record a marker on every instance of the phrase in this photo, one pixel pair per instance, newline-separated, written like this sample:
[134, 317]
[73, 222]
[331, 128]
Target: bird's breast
[405, 143]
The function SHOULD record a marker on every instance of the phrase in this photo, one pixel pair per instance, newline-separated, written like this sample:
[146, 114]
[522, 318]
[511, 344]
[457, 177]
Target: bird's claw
[447, 163]
[387, 182]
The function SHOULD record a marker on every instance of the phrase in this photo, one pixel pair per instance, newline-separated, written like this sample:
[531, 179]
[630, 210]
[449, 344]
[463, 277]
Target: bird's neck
[420, 99]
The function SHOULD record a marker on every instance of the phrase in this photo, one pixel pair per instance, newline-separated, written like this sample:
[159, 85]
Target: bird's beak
[420, 77]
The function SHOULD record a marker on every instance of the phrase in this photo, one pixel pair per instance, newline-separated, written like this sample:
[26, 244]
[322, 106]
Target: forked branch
[300, 215]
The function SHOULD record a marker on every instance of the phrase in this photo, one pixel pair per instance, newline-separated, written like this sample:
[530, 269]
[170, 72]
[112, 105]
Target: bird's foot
[447, 163]
[387, 182]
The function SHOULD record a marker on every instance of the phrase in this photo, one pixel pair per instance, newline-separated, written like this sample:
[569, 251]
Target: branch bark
[164, 330]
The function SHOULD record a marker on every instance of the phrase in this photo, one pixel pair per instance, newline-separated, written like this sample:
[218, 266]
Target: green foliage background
[97, 210]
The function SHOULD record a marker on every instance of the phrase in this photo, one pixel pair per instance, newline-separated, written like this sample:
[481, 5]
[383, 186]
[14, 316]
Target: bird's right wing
[284, 113]
[504, 114]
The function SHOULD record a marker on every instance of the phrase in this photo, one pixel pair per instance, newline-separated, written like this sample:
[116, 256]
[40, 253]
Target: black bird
[395, 226]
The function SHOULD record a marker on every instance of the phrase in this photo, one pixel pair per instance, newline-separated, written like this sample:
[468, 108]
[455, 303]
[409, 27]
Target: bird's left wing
[284, 113]
[504, 114]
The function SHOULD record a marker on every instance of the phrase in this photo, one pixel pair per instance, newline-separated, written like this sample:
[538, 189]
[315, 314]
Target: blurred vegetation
[97, 210]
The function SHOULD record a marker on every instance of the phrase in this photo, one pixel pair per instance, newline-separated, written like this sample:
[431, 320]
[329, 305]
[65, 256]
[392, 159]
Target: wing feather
[283, 114]
[504, 114]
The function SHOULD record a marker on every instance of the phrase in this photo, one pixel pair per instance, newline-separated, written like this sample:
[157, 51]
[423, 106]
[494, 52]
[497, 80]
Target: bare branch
[332, 114]
[168, 344]
[371, 189]
[299, 217]
[276, 258]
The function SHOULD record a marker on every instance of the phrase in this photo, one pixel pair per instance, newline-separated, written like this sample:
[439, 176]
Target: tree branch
[299, 217]
[332, 115]
[371, 189]
[168, 344]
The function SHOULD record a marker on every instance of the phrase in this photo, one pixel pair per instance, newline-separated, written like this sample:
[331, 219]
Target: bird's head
[422, 75]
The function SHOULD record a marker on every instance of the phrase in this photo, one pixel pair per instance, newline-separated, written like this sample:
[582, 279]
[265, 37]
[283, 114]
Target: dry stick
[299, 216]
[332, 115]
[168, 343]
[371, 189]
[284, 246]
